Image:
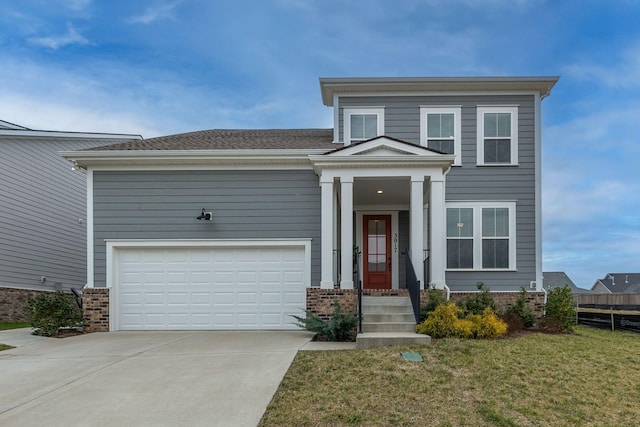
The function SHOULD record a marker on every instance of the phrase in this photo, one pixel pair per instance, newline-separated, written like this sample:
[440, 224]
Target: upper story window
[440, 130]
[363, 123]
[498, 135]
[481, 236]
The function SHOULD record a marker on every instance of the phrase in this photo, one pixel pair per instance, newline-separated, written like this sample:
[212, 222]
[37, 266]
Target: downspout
[446, 287]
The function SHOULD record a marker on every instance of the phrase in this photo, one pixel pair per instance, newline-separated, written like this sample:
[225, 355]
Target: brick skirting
[13, 302]
[95, 307]
[503, 300]
[320, 301]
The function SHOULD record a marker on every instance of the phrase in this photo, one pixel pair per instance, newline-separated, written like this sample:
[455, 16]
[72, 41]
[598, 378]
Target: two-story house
[238, 229]
[42, 214]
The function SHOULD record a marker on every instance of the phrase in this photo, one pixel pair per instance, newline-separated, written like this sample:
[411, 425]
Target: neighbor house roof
[620, 283]
[558, 279]
[233, 139]
[11, 126]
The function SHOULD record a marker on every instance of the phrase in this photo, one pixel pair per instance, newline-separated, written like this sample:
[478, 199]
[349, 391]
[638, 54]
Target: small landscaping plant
[559, 311]
[522, 311]
[50, 312]
[340, 327]
[476, 304]
[435, 298]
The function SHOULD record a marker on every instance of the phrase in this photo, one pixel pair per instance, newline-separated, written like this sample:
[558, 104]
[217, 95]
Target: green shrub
[475, 304]
[559, 311]
[444, 322]
[435, 298]
[339, 328]
[522, 310]
[50, 312]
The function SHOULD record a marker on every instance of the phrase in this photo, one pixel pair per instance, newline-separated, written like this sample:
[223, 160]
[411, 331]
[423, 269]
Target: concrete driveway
[205, 378]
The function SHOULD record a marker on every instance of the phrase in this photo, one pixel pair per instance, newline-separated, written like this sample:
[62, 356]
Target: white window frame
[457, 127]
[477, 232]
[511, 109]
[346, 122]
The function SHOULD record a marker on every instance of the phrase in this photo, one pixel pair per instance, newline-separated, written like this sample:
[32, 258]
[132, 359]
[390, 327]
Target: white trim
[537, 115]
[327, 221]
[223, 166]
[336, 118]
[112, 246]
[480, 112]
[192, 158]
[346, 121]
[477, 207]
[346, 229]
[90, 243]
[457, 127]
[416, 224]
[395, 249]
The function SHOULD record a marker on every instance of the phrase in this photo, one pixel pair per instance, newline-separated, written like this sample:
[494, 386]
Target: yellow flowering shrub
[443, 322]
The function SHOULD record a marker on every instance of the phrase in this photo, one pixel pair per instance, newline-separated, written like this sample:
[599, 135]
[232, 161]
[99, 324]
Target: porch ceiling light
[379, 191]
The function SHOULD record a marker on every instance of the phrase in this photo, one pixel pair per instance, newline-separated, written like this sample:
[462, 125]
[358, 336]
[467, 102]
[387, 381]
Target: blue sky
[156, 67]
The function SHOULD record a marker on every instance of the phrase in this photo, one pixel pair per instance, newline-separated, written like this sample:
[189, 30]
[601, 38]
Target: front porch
[386, 197]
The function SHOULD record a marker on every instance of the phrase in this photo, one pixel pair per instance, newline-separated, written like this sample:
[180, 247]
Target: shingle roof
[558, 279]
[622, 283]
[235, 139]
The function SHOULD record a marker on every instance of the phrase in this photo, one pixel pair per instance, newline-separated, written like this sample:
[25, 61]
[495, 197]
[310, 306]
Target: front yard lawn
[591, 378]
[13, 325]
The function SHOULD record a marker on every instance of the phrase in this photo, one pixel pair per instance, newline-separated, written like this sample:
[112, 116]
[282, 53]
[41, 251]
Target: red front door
[376, 258]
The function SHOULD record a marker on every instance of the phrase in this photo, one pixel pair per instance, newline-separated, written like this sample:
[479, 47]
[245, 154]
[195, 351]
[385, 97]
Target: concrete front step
[369, 300]
[388, 317]
[380, 339]
[382, 309]
[388, 326]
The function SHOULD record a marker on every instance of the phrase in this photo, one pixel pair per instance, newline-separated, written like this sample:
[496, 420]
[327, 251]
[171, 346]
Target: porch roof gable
[381, 152]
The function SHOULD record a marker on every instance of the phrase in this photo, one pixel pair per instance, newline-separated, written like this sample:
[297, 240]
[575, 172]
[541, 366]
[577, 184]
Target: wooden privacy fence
[611, 311]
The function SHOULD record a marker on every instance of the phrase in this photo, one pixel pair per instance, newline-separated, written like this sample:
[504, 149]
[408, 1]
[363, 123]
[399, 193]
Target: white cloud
[77, 4]
[72, 36]
[153, 14]
[621, 73]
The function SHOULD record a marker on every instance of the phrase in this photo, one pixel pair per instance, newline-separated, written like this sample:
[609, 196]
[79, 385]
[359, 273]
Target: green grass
[13, 325]
[591, 378]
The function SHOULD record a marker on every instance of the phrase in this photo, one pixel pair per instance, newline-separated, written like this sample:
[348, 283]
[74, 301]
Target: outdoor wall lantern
[205, 216]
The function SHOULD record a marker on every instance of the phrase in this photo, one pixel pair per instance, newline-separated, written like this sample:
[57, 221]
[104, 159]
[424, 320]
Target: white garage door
[210, 288]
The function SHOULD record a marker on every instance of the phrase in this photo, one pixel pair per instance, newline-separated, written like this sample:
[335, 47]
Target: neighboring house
[559, 279]
[42, 213]
[446, 169]
[618, 283]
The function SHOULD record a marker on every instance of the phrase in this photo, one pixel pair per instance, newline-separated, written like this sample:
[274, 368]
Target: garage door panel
[210, 288]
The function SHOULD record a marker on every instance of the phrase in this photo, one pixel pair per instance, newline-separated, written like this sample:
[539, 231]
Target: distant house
[43, 217]
[558, 279]
[436, 181]
[618, 283]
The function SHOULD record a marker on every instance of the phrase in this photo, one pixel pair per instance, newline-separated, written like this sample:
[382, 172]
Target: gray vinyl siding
[42, 213]
[245, 205]
[476, 183]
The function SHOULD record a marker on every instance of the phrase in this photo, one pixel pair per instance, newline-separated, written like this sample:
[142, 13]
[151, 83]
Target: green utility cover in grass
[411, 356]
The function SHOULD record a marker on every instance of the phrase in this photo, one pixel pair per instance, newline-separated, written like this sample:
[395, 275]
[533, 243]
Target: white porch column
[326, 234]
[438, 234]
[417, 225]
[346, 233]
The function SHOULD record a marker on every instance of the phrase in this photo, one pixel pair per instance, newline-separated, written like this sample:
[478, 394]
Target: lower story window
[481, 236]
